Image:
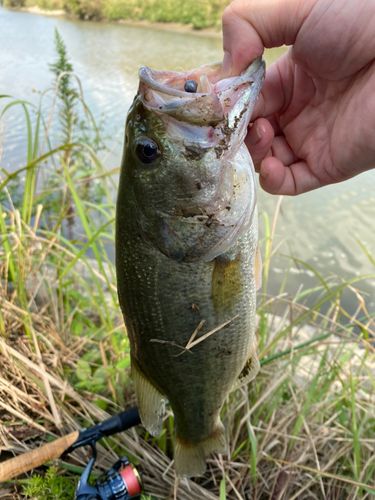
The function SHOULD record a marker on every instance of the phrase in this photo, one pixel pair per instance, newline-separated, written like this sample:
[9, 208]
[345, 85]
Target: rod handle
[37, 457]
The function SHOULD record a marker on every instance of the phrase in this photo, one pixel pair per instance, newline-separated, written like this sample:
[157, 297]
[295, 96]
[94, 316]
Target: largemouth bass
[186, 251]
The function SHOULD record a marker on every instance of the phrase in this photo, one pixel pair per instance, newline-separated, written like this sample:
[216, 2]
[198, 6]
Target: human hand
[315, 118]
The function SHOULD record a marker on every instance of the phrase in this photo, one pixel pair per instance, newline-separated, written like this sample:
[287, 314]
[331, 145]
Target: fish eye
[147, 150]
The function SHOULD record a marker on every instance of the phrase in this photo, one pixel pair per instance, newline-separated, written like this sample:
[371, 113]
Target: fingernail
[263, 171]
[227, 65]
[254, 136]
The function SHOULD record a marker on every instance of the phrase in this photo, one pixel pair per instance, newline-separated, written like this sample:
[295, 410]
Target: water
[320, 228]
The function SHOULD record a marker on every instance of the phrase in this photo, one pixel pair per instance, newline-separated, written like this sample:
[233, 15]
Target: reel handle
[37, 457]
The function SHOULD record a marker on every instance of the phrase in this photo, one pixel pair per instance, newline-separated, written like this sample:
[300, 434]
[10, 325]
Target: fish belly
[164, 302]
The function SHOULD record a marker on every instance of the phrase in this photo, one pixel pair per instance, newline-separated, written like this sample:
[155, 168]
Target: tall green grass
[304, 428]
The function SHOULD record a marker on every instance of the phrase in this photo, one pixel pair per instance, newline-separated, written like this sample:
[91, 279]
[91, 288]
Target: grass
[201, 14]
[303, 429]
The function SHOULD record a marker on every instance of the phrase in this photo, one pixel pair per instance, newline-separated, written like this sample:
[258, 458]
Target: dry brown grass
[37, 402]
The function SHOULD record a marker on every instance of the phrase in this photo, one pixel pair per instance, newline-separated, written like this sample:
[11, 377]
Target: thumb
[251, 25]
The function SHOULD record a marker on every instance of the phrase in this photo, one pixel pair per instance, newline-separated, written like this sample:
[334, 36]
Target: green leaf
[123, 363]
[100, 404]
[223, 492]
[77, 327]
[100, 377]
[83, 370]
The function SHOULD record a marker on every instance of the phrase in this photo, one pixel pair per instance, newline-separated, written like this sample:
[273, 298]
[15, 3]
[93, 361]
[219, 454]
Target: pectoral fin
[227, 284]
[258, 269]
[249, 371]
[151, 403]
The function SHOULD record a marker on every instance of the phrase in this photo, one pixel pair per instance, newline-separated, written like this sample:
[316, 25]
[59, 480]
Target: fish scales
[186, 252]
[170, 295]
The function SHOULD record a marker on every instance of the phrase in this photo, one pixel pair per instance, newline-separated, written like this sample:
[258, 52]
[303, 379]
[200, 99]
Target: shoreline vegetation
[203, 17]
[304, 428]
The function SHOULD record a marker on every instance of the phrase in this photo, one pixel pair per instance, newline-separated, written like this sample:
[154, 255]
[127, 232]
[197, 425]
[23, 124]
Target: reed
[304, 428]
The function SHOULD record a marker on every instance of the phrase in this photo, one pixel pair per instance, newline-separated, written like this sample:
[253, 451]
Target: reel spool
[121, 482]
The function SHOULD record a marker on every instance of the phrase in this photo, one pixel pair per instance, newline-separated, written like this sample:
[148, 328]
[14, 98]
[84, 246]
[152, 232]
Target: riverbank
[44, 12]
[179, 15]
[213, 32]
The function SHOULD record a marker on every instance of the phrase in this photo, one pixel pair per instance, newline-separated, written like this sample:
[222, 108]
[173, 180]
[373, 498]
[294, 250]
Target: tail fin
[190, 457]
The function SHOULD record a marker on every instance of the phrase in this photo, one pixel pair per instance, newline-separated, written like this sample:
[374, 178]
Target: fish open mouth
[212, 99]
[200, 124]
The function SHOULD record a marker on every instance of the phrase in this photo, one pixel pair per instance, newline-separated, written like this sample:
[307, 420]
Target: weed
[53, 486]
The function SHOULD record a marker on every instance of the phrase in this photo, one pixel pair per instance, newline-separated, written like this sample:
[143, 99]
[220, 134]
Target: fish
[187, 258]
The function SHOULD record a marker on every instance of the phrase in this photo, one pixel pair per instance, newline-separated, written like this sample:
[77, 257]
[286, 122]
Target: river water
[321, 228]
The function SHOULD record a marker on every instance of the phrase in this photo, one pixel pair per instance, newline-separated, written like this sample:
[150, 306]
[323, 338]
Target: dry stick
[195, 333]
[362, 305]
[307, 485]
[321, 473]
[173, 343]
[206, 335]
[175, 487]
[6, 305]
[68, 390]
[12, 390]
[170, 342]
[22, 416]
[193, 342]
[302, 307]
[234, 488]
[52, 242]
[94, 271]
[42, 258]
[270, 389]
[28, 401]
[282, 434]
[47, 386]
[307, 429]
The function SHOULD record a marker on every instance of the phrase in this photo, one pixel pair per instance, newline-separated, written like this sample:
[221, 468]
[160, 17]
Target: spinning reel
[121, 482]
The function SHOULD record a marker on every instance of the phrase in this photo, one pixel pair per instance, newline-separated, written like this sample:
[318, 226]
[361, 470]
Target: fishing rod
[121, 482]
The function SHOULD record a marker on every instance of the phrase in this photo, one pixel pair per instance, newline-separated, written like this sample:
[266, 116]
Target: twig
[191, 343]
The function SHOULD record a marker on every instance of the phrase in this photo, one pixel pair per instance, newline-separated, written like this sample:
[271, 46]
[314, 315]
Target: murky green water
[321, 227]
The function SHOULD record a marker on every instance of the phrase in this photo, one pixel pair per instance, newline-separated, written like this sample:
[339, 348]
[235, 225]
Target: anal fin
[190, 457]
[151, 402]
[249, 371]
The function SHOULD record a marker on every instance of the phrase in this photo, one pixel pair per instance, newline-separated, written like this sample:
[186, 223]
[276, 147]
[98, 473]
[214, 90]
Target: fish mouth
[208, 179]
[214, 101]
